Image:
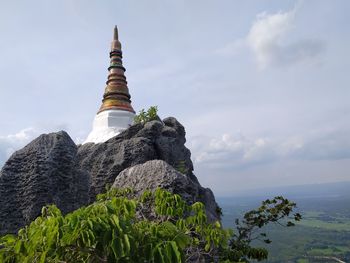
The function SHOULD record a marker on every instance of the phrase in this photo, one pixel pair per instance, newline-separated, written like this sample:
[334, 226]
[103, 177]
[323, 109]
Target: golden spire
[116, 95]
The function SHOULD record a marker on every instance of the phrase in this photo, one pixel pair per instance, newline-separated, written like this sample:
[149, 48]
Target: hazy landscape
[323, 235]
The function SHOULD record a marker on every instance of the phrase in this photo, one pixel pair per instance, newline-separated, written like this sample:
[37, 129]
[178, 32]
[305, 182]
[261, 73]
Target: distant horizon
[258, 192]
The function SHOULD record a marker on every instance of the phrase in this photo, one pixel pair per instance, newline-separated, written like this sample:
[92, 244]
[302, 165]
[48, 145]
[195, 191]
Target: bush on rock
[155, 227]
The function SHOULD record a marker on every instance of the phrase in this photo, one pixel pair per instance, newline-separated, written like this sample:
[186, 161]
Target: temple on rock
[116, 113]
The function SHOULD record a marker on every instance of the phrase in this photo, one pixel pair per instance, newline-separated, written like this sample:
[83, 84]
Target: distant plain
[323, 235]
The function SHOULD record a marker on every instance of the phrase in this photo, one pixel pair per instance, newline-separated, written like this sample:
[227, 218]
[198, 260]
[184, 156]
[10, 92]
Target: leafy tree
[155, 227]
[271, 211]
[145, 116]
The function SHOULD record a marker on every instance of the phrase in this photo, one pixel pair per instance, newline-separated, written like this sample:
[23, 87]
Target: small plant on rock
[146, 116]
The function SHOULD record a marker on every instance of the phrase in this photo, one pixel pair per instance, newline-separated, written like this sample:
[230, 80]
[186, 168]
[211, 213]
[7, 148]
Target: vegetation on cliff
[155, 227]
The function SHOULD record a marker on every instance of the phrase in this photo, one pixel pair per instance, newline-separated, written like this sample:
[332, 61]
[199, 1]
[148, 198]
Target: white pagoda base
[108, 124]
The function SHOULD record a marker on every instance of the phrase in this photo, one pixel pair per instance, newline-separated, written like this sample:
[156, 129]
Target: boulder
[157, 173]
[43, 172]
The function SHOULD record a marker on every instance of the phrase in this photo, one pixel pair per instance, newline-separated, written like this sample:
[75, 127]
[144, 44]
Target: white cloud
[266, 34]
[269, 40]
[231, 151]
[239, 151]
[291, 145]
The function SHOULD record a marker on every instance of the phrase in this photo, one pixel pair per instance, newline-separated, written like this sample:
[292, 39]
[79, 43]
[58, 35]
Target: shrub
[145, 116]
[156, 227]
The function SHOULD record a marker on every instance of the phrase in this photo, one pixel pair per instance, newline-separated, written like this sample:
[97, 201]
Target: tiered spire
[116, 95]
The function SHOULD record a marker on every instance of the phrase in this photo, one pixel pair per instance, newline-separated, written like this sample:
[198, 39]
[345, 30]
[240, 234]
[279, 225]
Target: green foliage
[271, 211]
[145, 116]
[114, 229]
[156, 227]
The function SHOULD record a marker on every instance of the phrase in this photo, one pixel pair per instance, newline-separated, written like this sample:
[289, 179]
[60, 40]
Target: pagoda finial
[115, 37]
[116, 95]
[115, 42]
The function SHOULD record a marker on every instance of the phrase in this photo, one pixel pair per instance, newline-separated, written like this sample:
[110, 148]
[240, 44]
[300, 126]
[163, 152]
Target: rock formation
[43, 172]
[52, 169]
[157, 173]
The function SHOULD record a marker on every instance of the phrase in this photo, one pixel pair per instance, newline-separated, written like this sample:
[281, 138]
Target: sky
[262, 87]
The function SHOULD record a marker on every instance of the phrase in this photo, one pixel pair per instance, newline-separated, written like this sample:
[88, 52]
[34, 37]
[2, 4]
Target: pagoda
[116, 113]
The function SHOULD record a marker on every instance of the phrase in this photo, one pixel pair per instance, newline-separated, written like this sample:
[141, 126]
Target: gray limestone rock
[104, 161]
[53, 170]
[44, 172]
[136, 145]
[157, 173]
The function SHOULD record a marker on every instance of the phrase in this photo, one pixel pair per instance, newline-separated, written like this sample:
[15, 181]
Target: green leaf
[18, 247]
[43, 257]
[207, 247]
[182, 240]
[176, 255]
[126, 242]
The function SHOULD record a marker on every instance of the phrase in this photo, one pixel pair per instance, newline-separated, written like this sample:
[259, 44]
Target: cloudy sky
[262, 87]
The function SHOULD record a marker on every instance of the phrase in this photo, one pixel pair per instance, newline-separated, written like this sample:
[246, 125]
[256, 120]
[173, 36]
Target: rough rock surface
[52, 169]
[157, 173]
[138, 144]
[43, 172]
